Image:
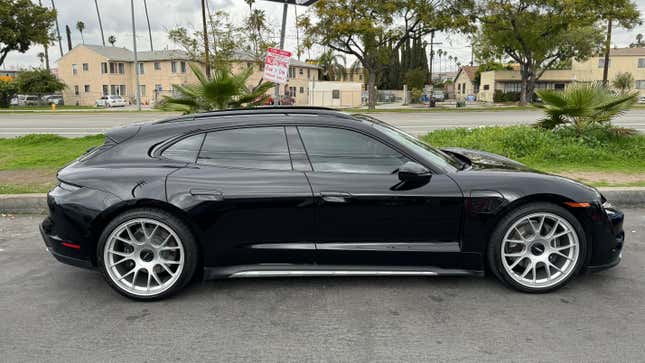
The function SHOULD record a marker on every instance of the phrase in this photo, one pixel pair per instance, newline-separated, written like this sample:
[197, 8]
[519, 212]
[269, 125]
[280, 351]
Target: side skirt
[280, 270]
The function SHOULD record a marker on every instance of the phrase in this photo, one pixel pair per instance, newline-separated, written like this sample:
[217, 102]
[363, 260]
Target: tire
[552, 253]
[147, 254]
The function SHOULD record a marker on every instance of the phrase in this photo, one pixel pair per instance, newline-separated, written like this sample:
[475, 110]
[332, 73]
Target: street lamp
[284, 26]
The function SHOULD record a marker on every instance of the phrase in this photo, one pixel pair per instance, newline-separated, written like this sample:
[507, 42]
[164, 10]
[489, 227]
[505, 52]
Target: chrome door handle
[204, 194]
[335, 197]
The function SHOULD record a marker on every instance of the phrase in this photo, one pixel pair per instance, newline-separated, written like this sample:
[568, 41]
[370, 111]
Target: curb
[37, 203]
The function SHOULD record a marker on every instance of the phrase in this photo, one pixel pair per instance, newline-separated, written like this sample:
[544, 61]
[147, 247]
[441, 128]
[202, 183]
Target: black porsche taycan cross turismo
[311, 192]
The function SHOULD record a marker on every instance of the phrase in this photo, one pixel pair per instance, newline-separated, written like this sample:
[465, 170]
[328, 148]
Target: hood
[485, 160]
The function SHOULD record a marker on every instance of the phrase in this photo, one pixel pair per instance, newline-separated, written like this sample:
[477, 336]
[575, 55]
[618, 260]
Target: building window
[308, 73]
[76, 90]
[158, 88]
[113, 68]
[601, 63]
[515, 87]
[183, 67]
[86, 67]
[641, 62]
[173, 67]
[104, 68]
[335, 94]
[559, 86]
[142, 90]
[74, 69]
[301, 71]
[486, 87]
[122, 90]
[640, 84]
[142, 70]
[106, 90]
[87, 88]
[157, 66]
[292, 72]
[302, 90]
[121, 68]
[117, 90]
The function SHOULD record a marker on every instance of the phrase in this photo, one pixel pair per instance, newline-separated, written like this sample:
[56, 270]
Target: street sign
[276, 65]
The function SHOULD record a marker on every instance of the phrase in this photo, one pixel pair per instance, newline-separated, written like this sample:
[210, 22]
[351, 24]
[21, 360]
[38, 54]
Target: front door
[367, 216]
[247, 200]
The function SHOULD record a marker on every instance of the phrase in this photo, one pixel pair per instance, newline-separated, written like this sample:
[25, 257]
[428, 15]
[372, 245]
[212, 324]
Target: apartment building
[91, 71]
[621, 60]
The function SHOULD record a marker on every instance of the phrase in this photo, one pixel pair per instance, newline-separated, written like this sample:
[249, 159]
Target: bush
[501, 96]
[8, 89]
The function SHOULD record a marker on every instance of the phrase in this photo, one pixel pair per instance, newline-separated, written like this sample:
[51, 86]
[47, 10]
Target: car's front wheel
[147, 254]
[537, 248]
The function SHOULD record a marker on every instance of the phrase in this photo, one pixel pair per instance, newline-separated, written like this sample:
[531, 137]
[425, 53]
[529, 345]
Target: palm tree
[356, 67]
[41, 56]
[80, 26]
[145, 7]
[250, 4]
[623, 82]
[330, 65]
[439, 54]
[223, 90]
[583, 105]
[112, 40]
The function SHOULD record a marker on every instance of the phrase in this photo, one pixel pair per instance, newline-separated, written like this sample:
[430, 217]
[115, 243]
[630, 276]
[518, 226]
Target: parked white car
[641, 99]
[24, 100]
[111, 101]
[55, 99]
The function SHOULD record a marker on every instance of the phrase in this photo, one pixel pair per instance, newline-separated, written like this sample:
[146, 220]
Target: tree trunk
[605, 70]
[524, 73]
[371, 89]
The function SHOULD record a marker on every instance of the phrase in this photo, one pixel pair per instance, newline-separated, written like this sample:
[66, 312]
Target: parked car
[25, 100]
[111, 101]
[53, 99]
[312, 191]
[438, 95]
[641, 99]
[14, 101]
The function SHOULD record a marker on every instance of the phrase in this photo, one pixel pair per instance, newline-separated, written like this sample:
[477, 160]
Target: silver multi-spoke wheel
[144, 257]
[540, 250]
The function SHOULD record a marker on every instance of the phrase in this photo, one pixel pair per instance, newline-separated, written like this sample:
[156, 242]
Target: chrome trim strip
[391, 246]
[330, 273]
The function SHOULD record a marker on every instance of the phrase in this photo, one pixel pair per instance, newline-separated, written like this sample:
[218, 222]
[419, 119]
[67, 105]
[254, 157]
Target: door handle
[335, 197]
[204, 194]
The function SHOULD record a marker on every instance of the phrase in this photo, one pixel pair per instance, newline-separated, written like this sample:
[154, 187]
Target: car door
[243, 193]
[366, 215]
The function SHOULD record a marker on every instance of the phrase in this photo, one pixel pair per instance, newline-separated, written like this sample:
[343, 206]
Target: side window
[345, 151]
[255, 148]
[185, 150]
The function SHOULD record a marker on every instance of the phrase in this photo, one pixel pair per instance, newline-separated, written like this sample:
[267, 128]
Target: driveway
[54, 312]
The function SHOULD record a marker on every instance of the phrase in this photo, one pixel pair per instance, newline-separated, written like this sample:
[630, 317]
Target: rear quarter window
[185, 150]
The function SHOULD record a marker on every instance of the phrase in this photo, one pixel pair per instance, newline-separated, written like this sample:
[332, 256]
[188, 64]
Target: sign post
[276, 66]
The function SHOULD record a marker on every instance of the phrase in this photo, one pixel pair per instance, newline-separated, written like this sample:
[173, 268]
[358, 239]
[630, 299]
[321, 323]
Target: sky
[167, 14]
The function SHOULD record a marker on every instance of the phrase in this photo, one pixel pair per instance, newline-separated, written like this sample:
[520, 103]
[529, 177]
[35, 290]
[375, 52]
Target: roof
[276, 110]
[247, 57]
[126, 55]
[626, 52]
[563, 75]
[469, 70]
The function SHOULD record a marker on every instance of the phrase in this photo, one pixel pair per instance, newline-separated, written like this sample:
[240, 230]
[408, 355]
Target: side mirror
[413, 172]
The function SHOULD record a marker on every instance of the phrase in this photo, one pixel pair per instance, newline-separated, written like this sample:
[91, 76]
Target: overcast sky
[167, 14]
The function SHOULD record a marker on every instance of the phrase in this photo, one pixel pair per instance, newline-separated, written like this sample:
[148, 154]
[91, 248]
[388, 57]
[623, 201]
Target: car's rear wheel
[147, 254]
[537, 248]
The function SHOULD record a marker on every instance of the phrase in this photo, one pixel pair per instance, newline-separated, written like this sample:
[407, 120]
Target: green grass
[43, 151]
[25, 188]
[549, 151]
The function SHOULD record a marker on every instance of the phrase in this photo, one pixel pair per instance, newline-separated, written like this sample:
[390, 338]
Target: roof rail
[258, 110]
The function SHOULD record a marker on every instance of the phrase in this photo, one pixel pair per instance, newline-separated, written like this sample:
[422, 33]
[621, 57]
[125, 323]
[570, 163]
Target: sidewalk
[37, 203]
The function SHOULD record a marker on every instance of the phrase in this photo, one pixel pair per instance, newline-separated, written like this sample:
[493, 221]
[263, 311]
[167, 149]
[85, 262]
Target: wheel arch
[104, 218]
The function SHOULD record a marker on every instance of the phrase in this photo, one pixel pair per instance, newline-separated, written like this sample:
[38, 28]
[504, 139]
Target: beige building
[465, 82]
[91, 71]
[335, 94]
[510, 81]
[621, 60]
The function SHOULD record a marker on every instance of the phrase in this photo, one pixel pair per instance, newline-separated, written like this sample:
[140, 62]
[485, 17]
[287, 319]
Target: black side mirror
[413, 172]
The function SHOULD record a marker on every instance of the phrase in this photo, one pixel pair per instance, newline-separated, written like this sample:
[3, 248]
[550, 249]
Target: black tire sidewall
[179, 227]
[495, 244]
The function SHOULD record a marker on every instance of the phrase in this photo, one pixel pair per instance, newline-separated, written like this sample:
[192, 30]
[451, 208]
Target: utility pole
[208, 61]
[145, 7]
[282, 35]
[98, 14]
[432, 44]
[46, 44]
[136, 60]
[60, 43]
[605, 70]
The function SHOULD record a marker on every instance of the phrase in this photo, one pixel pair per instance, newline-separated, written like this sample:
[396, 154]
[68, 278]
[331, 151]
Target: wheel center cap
[147, 255]
[538, 248]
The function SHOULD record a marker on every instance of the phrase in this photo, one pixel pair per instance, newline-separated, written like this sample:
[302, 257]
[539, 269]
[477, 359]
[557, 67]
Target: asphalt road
[84, 123]
[54, 312]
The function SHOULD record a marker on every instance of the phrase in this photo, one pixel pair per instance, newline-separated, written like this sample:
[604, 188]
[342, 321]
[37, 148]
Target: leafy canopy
[223, 90]
[38, 81]
[23, 23]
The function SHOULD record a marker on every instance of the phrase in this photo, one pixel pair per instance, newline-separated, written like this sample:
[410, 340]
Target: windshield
[435, 156]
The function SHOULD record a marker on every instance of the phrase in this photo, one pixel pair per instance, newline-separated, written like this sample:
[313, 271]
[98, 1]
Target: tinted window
[257, 148]
[339, 150]
[185, 150]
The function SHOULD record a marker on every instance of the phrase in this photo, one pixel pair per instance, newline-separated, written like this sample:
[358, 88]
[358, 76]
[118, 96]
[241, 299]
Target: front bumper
[608, 239]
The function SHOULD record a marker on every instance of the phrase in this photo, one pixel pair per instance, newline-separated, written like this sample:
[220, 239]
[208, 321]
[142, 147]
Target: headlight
[68, 187]
[608, 207]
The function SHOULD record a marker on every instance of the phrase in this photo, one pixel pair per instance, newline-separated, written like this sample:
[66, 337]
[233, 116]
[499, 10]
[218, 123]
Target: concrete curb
[37, 203]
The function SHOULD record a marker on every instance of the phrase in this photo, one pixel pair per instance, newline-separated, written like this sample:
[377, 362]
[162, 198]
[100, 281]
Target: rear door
[366, 215]
[245, 196]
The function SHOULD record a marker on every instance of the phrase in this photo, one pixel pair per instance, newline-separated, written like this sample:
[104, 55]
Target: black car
[310, 192]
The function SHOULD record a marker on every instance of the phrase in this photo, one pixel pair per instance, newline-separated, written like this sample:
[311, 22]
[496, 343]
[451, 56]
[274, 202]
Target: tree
[639, 42]
[80, 26]
[624, 12]
[38, 81]
[112, 40]
[8, 89]
[623, 82]
[41, 57]
[364, 29]
[583, 105]
[224, 90]
[536, 34]
[22, 24]
[68, 32]
[332, 66]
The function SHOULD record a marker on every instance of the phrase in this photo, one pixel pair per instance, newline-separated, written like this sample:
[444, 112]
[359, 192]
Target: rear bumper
[63, 254]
